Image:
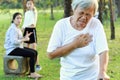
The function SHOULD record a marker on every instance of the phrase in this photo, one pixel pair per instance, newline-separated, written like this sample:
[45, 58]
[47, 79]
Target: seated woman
[14, 44]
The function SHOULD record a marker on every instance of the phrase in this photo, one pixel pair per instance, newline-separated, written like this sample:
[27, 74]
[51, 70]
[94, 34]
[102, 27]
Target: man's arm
[80, 41]
[104, 57]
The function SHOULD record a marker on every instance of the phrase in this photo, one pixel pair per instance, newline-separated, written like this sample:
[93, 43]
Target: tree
[67, 8]
[51, 5]
[112, 22]
[100, 9]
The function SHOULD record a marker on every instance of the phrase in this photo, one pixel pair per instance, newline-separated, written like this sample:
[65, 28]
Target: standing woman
[14, 44]
[29, 25]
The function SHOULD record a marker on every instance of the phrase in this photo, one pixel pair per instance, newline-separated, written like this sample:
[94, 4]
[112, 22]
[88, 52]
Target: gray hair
[84, 4]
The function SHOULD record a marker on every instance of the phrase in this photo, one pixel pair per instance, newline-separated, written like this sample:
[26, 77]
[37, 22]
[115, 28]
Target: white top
[13, 38]
[81, 63]
[30, 18]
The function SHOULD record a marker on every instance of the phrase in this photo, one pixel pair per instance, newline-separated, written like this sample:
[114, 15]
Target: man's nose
[84, 17]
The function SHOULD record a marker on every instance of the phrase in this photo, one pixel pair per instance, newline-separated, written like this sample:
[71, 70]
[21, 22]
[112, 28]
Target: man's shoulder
[64, 19]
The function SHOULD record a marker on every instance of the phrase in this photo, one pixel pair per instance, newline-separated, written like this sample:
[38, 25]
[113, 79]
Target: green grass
[50, 68]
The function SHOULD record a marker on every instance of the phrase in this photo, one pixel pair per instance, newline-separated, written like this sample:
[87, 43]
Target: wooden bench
[20, 68]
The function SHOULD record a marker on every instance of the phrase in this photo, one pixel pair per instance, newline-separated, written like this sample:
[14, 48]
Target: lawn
[50, 68]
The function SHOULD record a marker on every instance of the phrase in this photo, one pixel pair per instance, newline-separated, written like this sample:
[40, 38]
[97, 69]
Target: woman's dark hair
[14, 16]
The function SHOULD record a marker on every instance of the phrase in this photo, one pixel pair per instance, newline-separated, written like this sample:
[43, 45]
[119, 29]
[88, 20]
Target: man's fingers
[86, 35]
[89, 39]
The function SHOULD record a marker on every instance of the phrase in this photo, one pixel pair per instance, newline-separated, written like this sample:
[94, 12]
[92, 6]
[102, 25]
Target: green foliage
[9, 4]
[50, 68]
[15, 4]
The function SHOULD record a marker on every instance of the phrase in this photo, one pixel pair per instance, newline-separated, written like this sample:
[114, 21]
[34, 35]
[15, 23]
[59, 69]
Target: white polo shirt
[81, 63]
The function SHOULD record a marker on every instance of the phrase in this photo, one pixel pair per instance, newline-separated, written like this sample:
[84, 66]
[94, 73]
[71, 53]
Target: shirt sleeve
[100, 39]
[56, 38]
[14, 37]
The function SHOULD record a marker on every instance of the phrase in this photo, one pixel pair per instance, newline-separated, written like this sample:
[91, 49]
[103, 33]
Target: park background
[45, 24]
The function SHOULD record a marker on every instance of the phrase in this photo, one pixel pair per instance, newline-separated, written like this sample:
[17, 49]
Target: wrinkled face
[18, 20]
[82, 16]
[29, 5]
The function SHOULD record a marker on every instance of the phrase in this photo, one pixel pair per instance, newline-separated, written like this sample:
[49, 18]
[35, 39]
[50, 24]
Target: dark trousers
[26, 52]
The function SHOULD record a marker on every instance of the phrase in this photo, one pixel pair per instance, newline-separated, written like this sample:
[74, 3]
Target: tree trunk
[52, 15]
[100, 10]
[112, 22]
[67, 8]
